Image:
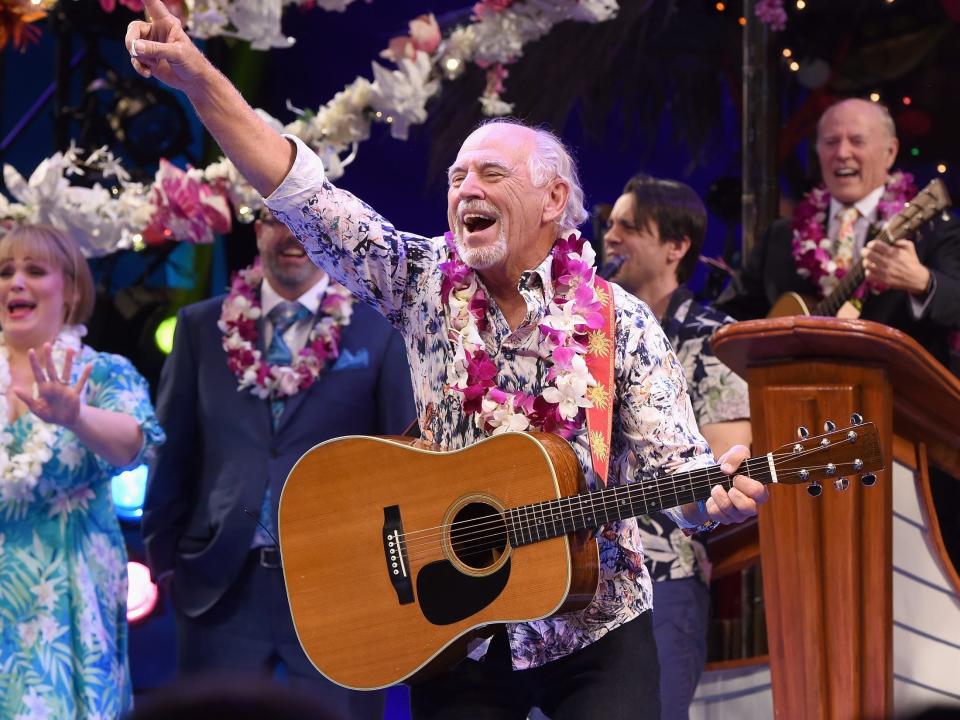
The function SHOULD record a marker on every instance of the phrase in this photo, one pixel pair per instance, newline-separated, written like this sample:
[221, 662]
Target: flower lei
[20, 472]
[238, 322]
[574, 311]
[813, 250]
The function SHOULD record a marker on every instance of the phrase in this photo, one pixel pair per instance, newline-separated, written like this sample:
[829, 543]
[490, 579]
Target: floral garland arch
[194, 204]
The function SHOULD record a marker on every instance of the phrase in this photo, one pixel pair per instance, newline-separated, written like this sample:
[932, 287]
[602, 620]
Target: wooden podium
[828, 562]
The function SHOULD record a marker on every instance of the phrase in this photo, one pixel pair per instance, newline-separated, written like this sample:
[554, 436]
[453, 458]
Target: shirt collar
[270, 298]
[867, 205]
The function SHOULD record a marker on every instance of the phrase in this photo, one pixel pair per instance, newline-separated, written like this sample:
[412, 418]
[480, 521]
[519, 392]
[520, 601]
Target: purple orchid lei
[238, 323]
[813, 250]
[573, 312]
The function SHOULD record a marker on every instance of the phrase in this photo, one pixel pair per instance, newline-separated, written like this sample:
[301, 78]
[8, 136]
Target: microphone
[611, 266]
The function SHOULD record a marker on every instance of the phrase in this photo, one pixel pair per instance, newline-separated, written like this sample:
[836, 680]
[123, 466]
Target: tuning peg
[841, 484]
[803, 433]
[856, 419]
[830, 469]
[868, 480]
[814, 489]
[829, 426]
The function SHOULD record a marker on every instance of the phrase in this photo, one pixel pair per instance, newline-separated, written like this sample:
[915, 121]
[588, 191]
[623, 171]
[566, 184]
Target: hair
[49, 245]
[550, 160]
[883, 112]
[676, 210]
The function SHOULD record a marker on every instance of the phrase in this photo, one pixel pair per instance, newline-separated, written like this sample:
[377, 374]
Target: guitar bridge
[395, 554]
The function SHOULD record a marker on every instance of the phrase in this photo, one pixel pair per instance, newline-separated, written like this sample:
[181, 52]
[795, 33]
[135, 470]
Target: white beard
[482, 258]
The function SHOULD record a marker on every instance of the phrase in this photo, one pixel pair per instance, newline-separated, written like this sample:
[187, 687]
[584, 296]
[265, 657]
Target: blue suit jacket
[221, 450]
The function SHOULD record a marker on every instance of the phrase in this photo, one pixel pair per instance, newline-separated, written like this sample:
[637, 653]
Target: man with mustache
[285, 361]
[656, 228]
[489, 314]
[912, 285]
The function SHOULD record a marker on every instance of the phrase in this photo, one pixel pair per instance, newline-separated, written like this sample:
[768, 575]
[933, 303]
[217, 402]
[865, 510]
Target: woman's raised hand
[55, 400]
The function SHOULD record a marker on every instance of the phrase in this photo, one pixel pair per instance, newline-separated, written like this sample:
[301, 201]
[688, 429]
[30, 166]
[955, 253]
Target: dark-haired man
[658, 227]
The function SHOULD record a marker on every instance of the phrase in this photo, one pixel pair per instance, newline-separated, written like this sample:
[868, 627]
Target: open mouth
[294, 251]
[20, 308]
[475, 222]
[846, 173]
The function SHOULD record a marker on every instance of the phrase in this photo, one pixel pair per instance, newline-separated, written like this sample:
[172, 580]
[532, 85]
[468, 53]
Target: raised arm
[161, 49]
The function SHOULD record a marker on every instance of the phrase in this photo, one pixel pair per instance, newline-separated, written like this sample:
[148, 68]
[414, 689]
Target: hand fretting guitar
[392, 554]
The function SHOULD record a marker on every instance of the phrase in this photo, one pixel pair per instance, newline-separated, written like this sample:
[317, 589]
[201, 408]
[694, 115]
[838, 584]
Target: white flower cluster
[104, 221]
[257, 21]
[101, 220]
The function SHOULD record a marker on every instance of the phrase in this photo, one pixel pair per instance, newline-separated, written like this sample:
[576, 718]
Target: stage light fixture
[141, 592]
[147, 120]
[128, 489]
[163, 335]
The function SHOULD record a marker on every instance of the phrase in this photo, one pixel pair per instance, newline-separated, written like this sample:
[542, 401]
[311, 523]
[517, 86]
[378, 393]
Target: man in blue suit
[285, 361]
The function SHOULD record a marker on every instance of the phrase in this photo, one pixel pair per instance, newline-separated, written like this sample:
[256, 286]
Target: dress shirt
[296, 336]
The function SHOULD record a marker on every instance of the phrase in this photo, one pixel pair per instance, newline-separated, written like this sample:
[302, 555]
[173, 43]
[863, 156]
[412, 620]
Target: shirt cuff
[301, 183]
[917, 306]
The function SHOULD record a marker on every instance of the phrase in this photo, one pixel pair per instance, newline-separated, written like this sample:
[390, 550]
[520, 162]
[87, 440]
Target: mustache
[476, 205]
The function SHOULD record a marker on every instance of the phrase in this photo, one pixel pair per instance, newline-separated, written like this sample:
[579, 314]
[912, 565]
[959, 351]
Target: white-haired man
[476, 310]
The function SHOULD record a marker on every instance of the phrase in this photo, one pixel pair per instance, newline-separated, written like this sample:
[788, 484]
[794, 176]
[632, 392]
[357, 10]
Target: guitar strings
[632, 490]
[708, 472]
[475, 533]
[483, 539]
[491, 536]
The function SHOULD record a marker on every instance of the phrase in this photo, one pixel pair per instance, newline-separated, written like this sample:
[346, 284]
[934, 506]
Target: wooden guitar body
[791, 303]
[344, 502]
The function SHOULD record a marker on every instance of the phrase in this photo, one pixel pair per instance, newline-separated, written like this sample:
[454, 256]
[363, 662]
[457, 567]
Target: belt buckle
[270, 557]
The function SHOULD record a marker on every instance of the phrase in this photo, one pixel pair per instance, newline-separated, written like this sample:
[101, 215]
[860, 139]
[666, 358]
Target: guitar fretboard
[542, 521]
[847, 286]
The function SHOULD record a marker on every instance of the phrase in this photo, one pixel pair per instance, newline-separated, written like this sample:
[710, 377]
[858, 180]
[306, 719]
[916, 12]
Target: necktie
[846, 242]
[282, 317]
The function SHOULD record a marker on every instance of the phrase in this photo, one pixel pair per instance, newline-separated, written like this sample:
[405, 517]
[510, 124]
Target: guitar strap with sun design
[600, 362]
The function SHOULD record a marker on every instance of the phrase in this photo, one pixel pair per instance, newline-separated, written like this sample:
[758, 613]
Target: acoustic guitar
[393, 555]
[928, 202]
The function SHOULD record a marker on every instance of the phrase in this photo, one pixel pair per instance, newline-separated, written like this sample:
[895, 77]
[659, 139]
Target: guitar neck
[845, 289]
[542, 521]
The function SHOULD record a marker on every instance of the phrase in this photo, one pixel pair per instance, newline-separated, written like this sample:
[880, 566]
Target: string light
[794, 65]
[915, 152]
[907, 100]
[742, 20]
[720, 7]
[787, 52]
[801, 4]
[875, 97]
[941, 168]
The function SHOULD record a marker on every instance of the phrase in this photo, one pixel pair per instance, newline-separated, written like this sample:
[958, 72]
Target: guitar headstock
[928, 202]
[833, 457]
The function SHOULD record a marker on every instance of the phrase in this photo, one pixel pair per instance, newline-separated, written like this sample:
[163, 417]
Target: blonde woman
[70, 418]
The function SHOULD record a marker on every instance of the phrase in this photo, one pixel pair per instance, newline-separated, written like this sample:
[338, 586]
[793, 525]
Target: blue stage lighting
[129, 489]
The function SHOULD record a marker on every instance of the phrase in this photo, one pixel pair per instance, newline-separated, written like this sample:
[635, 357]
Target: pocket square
[348, 360]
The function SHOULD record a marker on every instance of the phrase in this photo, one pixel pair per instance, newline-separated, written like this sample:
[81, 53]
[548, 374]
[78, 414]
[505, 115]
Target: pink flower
[110, 5]
[186, 208]
[490, 7]
[772, 13]
[424, 37]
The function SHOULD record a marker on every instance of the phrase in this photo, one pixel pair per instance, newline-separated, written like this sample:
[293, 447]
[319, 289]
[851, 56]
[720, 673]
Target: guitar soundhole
[478, 536]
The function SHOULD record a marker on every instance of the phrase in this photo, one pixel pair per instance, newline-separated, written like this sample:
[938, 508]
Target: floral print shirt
[718, 395]
[63, 567]
[653, 423]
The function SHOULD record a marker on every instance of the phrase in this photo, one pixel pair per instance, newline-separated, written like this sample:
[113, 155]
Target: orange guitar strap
[600, 356]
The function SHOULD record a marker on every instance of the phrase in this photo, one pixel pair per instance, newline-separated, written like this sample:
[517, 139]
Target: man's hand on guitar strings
[744, 499]
[895, 266]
